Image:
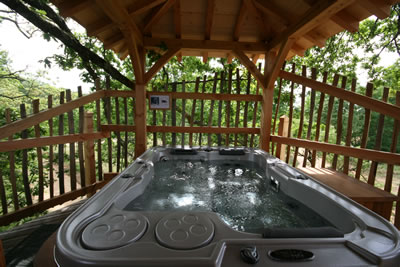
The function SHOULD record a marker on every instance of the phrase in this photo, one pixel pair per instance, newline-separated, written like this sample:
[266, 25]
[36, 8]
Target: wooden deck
[371, 197]
[13, 237]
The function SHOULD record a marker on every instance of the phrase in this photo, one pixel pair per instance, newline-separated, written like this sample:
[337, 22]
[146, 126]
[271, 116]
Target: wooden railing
[221, 111]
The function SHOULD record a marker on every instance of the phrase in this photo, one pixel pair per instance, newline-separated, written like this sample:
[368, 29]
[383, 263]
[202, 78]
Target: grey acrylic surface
[102, 233]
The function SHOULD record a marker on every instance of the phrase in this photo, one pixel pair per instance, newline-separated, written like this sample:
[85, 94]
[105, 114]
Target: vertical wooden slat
[107, 106]
[311, 116]
[80, 144]
[126, 133]
[98, 123]
[51, 152]
[319, 116]
[221, 91]
[339, 127]
[71, 130]
[395, 135]
[346, 163]
[11, 159]
[237, 105]
[3, 194]
[210, 117]
[278, 101]
[228, 106]
[255, 110]
[164, 117]
[183, 115]
[364, 137]
[291, 100]
[173, 115]
[90, 165]
[328, 118]
[378, 140]
[35, 105]
[25, 177]
[246, 108]
[196, 90]
[118, 134]
[300, 130]
[154, 121]
[202, 108]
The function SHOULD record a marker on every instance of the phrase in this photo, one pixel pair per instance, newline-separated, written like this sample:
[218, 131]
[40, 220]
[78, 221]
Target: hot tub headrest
[316, 232]
[180, 151]
[232, 152]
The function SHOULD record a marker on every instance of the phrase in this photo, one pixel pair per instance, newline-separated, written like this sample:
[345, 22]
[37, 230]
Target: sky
[26, 54]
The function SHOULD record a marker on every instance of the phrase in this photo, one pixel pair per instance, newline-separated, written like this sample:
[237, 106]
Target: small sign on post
[160, 100]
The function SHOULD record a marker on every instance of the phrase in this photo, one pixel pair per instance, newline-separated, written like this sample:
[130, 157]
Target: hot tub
[222, 207]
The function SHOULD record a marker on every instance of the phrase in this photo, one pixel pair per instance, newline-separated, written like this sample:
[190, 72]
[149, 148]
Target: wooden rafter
[255, 58]
[209, 18]
[273, 71]
[69, 8]
[375, 8]
[250, 66]
[258, 16]
[157, 16]
[160, 63]
[239, 21]
[133, 37]
[204, 55]
[317, 14]
[113, 40]
[177, 19]
[136, 8]
[229, 58]
[206, 45]
[119, 15]
[346, 21]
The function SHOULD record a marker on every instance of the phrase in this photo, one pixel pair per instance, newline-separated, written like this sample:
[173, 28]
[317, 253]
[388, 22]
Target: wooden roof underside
[217, 28]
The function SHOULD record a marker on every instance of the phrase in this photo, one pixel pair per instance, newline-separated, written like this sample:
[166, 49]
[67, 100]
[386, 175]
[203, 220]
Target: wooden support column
[90, 163]
[140, 120]
[282, 131]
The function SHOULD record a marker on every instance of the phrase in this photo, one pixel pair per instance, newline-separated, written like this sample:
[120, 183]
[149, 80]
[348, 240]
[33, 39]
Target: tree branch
[65, 37]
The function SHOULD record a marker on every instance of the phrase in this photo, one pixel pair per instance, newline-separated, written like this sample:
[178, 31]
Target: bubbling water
[238, 191]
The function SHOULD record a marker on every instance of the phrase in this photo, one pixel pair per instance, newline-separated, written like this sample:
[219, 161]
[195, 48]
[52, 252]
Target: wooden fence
[223, 110]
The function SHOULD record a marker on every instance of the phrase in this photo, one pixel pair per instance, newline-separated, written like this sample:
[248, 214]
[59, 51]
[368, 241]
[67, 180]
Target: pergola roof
[213, 28]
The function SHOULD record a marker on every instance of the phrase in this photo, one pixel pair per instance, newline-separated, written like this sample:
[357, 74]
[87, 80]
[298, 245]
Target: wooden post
[11, 158]
[282, 131]
[2, 258]
[140, 120]
[35, 105]
[88, 146]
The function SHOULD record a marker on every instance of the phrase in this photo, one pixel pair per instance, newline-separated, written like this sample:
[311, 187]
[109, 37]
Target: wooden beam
[278, 14]
[221, 97]
[140, 120]
[266, 107]
[160, 63]
[49, 203]
[44, 115]
[206, 45]
[119, 93]
[317, 14]
[157, 16]
[141, 6]
[177, 19]
[369, 154]
[346, 21]
[364, 101]
[239, 21]
[263, 29]
[250, 66]
[182, 129]
[255, 58]
[113, 40]
[204, 55]
[116, 11]
[376, 8]
[209, 18]
[272, 73]
[69, 8]
[49, 140]
[229, 58]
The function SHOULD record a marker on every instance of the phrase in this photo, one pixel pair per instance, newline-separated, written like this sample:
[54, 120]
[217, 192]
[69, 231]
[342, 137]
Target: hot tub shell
[103, 233]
